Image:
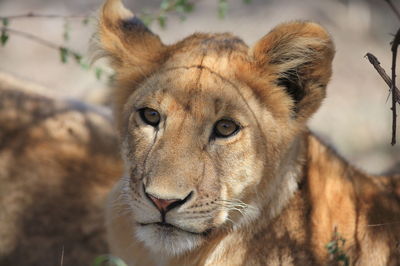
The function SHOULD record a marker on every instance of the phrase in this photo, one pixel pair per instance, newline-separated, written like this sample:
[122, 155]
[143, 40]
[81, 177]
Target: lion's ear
[126, 38]
[135, 51]
[298, 56]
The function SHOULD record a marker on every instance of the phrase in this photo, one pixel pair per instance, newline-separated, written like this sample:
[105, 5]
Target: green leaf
[64, 53]
[77, 57]
[165, 4]
[4, 37]
[162, 21]
[67, 29]
[85, 65]
[108, 260]
[222, 8]
[5, 22]
[330, 244]
[85, 21]
[99, 73]
[189, 7]
[247, 1]
[332, 247]
[180, 9]
[342, 257]
[181, 2]
[146, 18]
[183, 6]
[111, 79]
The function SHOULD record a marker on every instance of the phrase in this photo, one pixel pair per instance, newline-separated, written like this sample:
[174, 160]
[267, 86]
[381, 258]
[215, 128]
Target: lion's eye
[225, 128]
[150, 116]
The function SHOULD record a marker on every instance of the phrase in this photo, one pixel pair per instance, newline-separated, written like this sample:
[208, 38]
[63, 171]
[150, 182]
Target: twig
[393, 7]
[383, 224]
[395, 45]
[377, 65]
[32, 37]
[33, 15]
[64, 51]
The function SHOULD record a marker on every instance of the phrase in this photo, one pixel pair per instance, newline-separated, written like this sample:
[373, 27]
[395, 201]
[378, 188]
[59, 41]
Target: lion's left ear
[298, 56]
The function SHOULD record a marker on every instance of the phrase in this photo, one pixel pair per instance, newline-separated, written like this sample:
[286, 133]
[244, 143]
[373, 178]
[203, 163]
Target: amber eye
[225, 128]
[150, 116]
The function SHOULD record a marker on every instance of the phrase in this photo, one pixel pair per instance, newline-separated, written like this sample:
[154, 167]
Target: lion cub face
[189, 141]
[209, 126]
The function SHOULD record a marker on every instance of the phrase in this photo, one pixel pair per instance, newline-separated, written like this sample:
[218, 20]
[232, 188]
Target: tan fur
[272, 194]
[58, 160]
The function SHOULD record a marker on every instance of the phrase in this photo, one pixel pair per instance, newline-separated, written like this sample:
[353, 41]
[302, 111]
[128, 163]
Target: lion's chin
[167, 239]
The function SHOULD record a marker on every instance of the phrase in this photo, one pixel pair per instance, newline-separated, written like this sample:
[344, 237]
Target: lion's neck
[286, 182]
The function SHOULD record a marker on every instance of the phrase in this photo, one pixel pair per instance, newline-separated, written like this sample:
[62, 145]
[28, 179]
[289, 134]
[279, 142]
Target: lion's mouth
[169, 226]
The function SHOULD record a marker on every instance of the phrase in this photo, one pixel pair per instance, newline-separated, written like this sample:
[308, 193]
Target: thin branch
[377, 65]
[32, 37]
[394, 8]
[33, 15]
[64, 51]
[383, 224]
[395, 45]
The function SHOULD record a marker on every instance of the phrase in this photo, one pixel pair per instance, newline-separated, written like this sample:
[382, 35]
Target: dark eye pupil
[150, 116]
[225, 125]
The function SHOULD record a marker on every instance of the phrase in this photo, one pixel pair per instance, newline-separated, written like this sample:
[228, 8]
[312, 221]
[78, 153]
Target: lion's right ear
[125, 38]
[134, 50]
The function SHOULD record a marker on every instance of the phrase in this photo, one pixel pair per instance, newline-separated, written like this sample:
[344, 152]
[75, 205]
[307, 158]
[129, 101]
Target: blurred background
[355, 118]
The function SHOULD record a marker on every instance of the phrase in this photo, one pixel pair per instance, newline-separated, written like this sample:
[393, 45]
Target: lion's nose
[161, 204]
[164, 205]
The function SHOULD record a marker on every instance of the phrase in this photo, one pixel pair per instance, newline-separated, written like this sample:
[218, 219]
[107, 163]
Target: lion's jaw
[170, 241]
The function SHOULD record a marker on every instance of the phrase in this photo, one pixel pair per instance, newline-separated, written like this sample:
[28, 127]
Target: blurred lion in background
[58, 160]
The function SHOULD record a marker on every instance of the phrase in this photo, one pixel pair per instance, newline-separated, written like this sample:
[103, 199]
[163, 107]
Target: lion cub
[220, 166]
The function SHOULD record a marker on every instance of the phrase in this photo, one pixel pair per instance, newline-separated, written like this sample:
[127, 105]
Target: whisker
[383, 224]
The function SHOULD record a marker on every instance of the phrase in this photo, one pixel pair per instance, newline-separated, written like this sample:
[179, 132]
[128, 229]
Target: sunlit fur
[272, 194]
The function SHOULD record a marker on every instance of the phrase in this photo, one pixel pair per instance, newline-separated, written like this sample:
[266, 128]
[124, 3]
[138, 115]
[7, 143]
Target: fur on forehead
[190, 89]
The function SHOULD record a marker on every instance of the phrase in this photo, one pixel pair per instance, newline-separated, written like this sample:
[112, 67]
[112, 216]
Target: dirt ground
[355, 118]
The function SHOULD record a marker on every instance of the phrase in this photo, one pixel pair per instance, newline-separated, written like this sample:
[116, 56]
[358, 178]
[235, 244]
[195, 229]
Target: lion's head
[209, 127]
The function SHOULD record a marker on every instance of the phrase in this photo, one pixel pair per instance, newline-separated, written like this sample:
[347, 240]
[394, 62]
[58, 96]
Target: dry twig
[391, 82]
[395, 45]
[377, 65]
[393, 7]
[34, 15]
[31, 37]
